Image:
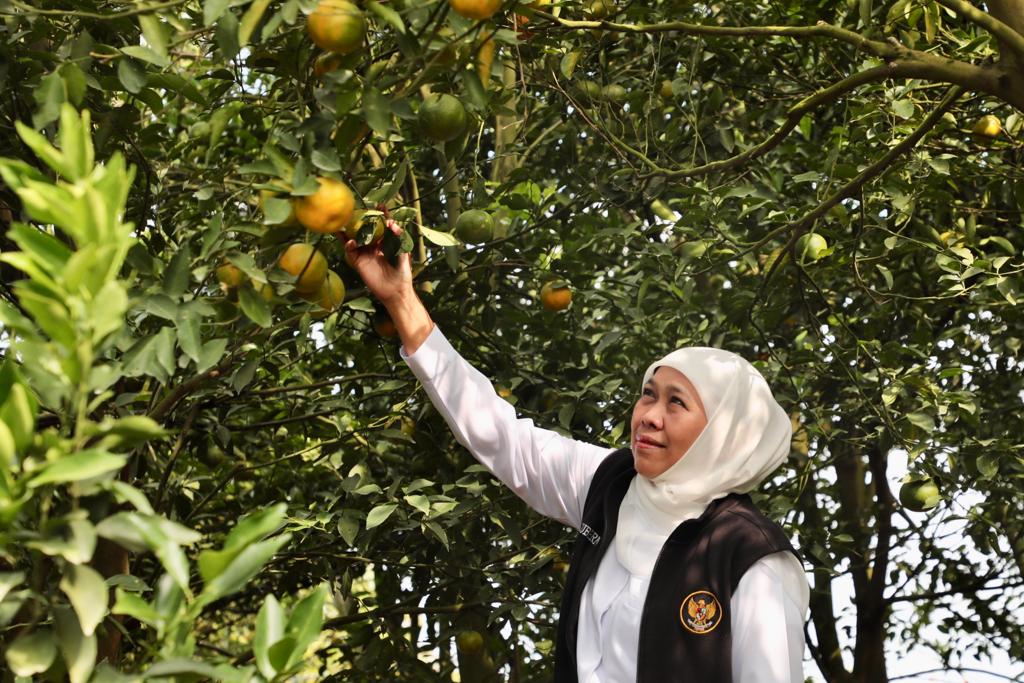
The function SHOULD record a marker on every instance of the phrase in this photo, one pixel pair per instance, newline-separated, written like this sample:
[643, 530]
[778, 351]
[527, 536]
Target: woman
[697, 584]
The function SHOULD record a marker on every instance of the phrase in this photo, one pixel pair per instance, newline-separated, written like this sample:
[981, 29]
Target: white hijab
[747, 436]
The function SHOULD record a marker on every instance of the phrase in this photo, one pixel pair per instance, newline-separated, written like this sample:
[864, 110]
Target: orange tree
[832, 190]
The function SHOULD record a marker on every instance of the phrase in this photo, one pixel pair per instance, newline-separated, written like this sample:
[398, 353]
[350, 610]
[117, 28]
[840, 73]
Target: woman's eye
[679, 401]
[647, 392]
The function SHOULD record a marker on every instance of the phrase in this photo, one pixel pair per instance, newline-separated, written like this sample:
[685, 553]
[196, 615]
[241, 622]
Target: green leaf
[213, 9]
[305, 623]
[246, 565]
[180, 667]
[903, 108]
[87, 592]
[270, 623]
[988, 466]
[126, 493]
[46, 152]
[9, 580]
[189, 335]
[361, 304]
[280, 652]
[129, 431]
[137, 532]
[211, 354]
[325, 161]
[8, 450]
[348, 527]
[387, 15]
[421, 503]
[277, 210]
[79, 466]
[31, 654]
[384, 194]
[78, 648]
[76, 142]
[567, 65]
[155, 33]
[251, 528]
[922, 420]
[254, 306]
[379, 514]
[131, 75]
[377, 110]
[147, 54]
[133, 605]
[250, 20]
[226, 35]
[441, 239]
[177, 276]
[49, 95]
[18, 412]
[476, 94]
[75, 84]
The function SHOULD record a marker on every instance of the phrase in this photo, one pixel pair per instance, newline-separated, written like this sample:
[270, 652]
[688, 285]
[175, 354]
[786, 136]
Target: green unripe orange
[475, 226]
[442, 117]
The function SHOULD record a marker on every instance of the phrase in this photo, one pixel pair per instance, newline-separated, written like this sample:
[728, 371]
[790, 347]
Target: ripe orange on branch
[336, 26]
[229, 275]
[307, 264]
[988, 126]
[476, 9]
[330, 294]
[328, 209]
[556, 296]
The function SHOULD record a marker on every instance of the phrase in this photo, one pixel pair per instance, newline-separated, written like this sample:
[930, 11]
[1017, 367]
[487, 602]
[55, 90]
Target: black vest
[685, 631]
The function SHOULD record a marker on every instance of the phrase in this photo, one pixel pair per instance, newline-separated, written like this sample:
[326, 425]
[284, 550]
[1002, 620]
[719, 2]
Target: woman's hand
[392, 285]
[385, 281]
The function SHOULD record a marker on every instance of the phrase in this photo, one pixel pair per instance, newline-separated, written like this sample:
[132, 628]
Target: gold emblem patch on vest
[700, 612]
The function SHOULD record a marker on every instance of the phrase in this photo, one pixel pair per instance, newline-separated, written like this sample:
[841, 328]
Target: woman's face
[667, 418]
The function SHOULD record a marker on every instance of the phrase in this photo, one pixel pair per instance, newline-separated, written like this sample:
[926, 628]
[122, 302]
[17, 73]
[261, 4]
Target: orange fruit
[229, 275]
[988, 126]
[336, 26]
[328, 62]
[475, 226]
[442, 117]
[599, 9]
[330, 294]
[469, 642]
[920, 495]
[305, 263]
[556, 296]
[476, 9]
[384, 325]
[359, 219]
[810, 247]
[328, 209]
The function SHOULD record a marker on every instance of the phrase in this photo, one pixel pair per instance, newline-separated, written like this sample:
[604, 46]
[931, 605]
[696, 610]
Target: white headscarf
[747, 436]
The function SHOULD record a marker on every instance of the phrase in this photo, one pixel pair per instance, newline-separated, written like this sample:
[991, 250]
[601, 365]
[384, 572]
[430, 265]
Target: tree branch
[997, 81]
[875, 169]
[796, 112]
[988, 22]
[149, 9]
[821, 29]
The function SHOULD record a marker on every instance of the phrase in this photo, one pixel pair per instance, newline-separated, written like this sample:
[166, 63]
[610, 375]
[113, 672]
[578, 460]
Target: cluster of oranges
[339, 28]
[329, 210]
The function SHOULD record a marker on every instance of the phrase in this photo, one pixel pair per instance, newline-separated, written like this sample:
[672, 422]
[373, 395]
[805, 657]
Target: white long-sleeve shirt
[552, 474]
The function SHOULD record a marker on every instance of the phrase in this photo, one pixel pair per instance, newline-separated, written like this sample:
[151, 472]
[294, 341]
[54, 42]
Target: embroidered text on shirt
[590, 534]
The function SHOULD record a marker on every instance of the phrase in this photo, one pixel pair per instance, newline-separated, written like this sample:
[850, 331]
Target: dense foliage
[228, 459]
